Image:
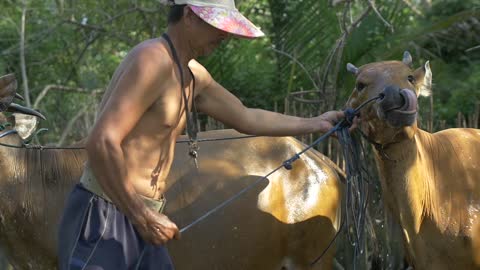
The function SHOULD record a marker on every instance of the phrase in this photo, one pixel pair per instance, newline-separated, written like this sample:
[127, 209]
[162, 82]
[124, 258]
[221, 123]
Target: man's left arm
[216, 101]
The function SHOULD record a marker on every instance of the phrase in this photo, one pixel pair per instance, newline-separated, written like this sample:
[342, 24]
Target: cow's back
[285, 221]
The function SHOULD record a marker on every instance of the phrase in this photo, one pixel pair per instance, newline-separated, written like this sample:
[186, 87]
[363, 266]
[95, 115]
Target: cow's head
[393, 117]
[23, 117]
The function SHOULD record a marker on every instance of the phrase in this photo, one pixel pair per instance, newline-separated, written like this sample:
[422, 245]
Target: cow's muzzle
[398, 106]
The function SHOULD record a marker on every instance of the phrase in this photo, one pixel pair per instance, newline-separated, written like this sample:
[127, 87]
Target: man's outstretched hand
[329, 119]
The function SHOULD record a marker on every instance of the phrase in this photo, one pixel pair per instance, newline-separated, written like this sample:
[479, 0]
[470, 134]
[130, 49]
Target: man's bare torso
[149, 147]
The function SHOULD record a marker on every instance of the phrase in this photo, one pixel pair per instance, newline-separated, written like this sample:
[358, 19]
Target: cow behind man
[430, 181]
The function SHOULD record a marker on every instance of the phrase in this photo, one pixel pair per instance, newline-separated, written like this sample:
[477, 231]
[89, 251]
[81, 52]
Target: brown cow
[283, 223]
[429, 181]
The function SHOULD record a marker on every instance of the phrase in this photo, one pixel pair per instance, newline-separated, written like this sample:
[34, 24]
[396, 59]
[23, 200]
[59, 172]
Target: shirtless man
[107, 223]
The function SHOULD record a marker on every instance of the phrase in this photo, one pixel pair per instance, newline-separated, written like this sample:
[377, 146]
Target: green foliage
[458, 95]
[77, 45]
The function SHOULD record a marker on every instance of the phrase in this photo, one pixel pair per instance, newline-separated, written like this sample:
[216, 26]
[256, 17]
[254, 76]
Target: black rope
[41, 147]
[192, 125]
[357, 194]
[329, 245]
[220, 139]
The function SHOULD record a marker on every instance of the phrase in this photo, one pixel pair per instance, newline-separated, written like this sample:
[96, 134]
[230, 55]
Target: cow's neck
[405, 190]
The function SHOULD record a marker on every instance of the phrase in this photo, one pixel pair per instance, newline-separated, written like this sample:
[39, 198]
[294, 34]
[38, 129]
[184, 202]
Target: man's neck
[182, 44]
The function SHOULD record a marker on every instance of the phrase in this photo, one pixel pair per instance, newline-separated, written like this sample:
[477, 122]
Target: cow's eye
[360, 86]
[411, 79]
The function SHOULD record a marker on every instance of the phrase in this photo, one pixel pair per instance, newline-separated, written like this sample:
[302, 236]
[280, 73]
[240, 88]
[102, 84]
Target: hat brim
[228, 20]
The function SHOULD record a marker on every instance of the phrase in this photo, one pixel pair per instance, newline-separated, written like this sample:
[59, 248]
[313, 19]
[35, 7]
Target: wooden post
[199, 124]
[459, 119]
[329, 147]
[301, 113]
[287, 104]
[294, 108]
[443, 124]
[476, 115]
[310, 136]
[209, 125]
[430, 122]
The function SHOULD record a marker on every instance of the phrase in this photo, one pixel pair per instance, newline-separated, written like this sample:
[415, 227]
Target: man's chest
[170, 110]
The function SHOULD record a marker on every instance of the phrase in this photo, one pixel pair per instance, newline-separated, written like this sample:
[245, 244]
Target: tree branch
[32, 41]
[101, 29]
[412, 7]
[70, 124]
[299, 63]
[473, 48]
[371, 3]
[340, 43]
[23, 65]
[49, 87]
[80, 56]
[86, 26]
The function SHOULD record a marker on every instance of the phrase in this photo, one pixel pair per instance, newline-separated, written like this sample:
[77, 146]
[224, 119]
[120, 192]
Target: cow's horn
[351, 68]
[18, 108]
[407, 58]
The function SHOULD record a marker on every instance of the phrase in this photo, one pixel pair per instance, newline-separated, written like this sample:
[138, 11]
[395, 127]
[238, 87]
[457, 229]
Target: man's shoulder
[151, 54]
[202, 76]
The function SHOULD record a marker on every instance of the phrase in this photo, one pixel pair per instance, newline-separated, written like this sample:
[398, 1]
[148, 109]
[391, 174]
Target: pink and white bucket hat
[223, 15]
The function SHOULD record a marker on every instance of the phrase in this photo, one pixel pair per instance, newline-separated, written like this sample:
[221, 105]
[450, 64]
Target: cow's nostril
[391, 99]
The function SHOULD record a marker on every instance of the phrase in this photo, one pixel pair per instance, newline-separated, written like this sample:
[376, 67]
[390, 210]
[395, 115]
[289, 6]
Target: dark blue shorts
[95, 235]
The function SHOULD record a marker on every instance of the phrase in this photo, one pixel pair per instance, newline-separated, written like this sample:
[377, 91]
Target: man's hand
[329, 119]
[156, 228]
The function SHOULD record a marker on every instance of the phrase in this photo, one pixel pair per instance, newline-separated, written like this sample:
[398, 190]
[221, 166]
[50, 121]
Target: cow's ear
[423, 79]
[25, 124]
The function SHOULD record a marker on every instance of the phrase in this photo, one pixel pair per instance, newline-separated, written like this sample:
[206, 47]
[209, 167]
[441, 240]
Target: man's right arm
[138, 87]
